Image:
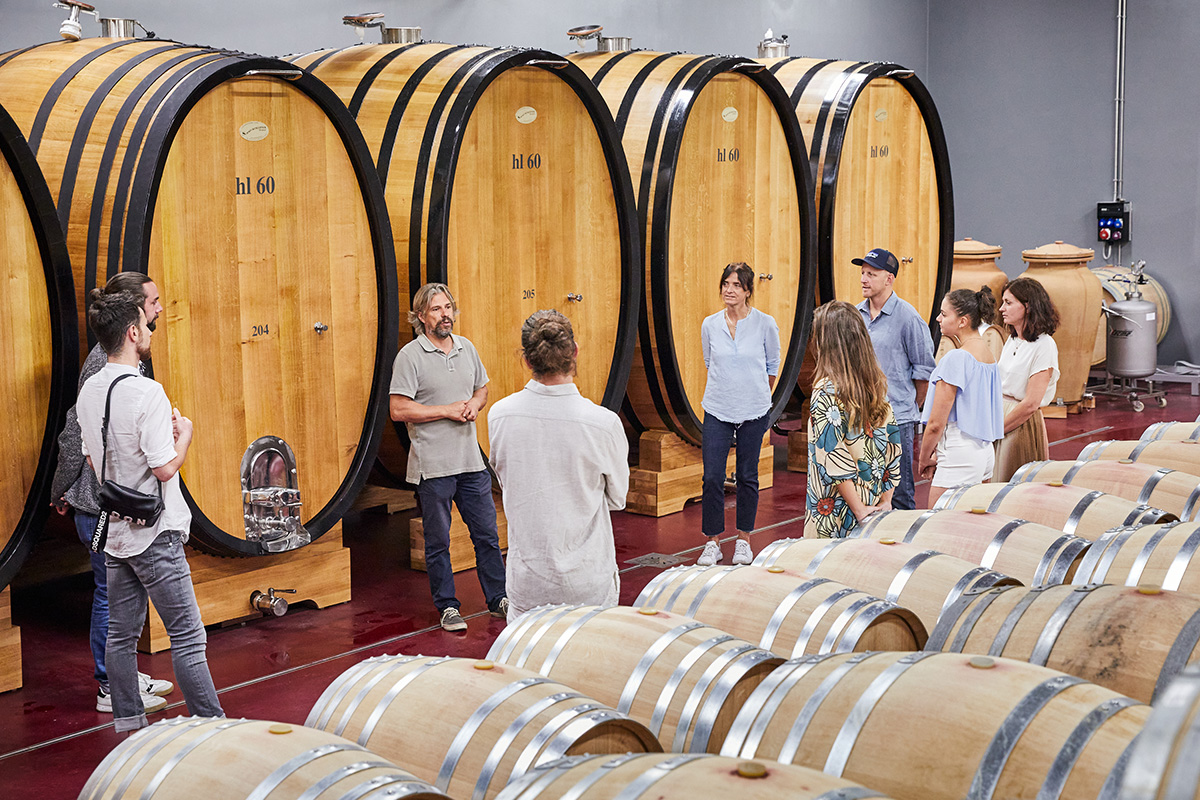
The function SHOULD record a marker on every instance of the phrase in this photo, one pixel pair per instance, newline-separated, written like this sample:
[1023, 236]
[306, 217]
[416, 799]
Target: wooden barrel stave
[784, 610]
[1172, 432]
[1160, 555]
[246, 758]
[1180, 455]
[1071, 509]
[40, 356]
[682, 679]
[1145, 484]
[142, 187]
[1162, 763]
[995, 727]
[1034, 554]
[1132, 640]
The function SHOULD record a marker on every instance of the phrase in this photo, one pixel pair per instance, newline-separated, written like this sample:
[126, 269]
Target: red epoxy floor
[51, 737]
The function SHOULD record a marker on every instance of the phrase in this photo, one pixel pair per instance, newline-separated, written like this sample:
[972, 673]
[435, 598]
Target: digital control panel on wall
[1112, 222]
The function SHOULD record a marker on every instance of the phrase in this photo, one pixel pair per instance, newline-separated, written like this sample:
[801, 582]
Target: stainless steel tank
[1132, 350]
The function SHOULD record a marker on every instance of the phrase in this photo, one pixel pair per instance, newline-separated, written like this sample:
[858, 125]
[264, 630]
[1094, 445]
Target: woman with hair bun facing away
[741, 353]
[562, 462]
[853, 439]
[964, 414]
[1028, 374]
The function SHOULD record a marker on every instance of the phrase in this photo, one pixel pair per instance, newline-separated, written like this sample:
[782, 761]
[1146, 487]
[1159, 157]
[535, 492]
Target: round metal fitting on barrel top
[70, 29]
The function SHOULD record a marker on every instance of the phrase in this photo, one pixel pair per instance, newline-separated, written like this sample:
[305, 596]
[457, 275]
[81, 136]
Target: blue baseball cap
[878, 259]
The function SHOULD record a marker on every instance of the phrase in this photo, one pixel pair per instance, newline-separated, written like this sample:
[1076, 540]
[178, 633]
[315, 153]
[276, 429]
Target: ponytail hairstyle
[978, 307]
[548, 344]
[846, 356]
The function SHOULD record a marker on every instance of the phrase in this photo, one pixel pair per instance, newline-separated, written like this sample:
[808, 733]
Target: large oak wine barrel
[1034, 554]
[785, 611]
[1132, 640]
[667, 776]
[719, 170]
[1071, 509]
[1163, 764]
[505, 180]
[1160, 555]
[1172, 432]
[467, 726]
[941, 726]
[1115, 281]
[41, 356]
[1146, 484]
[923, 581]
[1181, 455]
[881, 172]
[235, 759]
[681, 678]
[242, 187]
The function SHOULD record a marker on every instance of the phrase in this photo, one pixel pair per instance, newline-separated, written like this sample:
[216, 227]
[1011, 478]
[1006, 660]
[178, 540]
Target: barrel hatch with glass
[271, 496]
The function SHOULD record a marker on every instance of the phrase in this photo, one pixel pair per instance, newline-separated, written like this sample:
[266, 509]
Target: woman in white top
[1028, 374]
[964, 413]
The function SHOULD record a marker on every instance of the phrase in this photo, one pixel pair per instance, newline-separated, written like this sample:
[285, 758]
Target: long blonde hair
[846, 356]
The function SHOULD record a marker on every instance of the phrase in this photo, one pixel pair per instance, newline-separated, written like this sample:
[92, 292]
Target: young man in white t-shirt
[145, 446]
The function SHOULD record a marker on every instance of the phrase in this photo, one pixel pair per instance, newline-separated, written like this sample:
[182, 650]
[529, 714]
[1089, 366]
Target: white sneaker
[150, 702]
[711, 554]
[742, 554]
[154, 686]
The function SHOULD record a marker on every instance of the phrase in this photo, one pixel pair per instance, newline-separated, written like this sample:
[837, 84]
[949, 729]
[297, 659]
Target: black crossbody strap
[104, 428]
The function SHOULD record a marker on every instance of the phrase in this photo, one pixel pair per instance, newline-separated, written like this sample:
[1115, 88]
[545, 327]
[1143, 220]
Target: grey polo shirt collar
[429, 347]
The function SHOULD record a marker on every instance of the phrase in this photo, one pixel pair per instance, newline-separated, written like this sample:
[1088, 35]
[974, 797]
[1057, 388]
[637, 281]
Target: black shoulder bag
[133, 506]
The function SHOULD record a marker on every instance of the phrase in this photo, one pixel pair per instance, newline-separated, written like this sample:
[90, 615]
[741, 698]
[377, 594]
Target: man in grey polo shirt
[438, 387]
[904, 348]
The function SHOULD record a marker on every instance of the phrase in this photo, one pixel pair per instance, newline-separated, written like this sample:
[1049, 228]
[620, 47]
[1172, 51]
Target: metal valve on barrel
[270, 604]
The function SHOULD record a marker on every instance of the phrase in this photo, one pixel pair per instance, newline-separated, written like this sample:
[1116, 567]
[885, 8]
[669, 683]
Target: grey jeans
[162, 574]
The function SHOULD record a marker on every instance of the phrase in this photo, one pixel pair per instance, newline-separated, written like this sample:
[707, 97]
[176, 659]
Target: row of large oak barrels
[288, 208]
[589, 701]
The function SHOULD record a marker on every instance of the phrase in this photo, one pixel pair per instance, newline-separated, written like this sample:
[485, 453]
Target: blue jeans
[161, 573]
[472, 493]
[904, 498]
[718, 437]
[85, 525]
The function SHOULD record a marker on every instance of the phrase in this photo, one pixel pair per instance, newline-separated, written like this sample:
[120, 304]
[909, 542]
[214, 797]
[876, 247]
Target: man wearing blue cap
[904, 348]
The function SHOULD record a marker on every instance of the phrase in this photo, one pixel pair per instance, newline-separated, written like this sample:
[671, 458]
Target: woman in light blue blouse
[964, 413]
[741, 351]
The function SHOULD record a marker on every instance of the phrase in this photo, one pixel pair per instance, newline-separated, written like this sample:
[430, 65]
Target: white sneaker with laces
[154, 686]
[742, 554]
[711, 554]
[150, 702]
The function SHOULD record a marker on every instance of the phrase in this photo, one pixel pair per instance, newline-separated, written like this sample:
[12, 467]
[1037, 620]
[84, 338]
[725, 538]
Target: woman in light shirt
[964, 413]
[741, 352]
[1028, 374]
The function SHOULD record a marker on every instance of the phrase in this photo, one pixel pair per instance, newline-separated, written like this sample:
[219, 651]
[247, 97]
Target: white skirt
[962, 460]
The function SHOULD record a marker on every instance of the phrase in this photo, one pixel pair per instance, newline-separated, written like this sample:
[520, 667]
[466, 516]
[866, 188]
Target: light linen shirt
[738, 367]
[140, 438]
[904, 348]
[563, 466]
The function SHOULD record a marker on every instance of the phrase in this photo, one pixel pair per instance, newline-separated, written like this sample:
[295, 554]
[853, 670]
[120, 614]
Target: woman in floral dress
[853, 439]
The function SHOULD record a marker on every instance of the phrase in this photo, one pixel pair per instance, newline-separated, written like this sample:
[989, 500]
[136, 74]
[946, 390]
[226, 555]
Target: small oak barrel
[1161, 555]
[1181, 455]
[242, 187]
[881, 174]
[235, 759]
[40, 364]
[1115, 281]
[1034, 554]
[468, 726]
[1163, 764]
[681, 678]
[720, 174]
[923, 581]
[1172, 432]
[1071, 509]
[940, 726]
[785, 611]
[1145, 484]
[505, 179]
[666, 776]
[1134, 640]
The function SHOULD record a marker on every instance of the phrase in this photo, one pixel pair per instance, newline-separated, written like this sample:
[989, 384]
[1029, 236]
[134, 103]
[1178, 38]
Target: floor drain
[655, 560]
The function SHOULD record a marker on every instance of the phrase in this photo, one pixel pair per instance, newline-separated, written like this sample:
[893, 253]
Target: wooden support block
[10, 645]
[1054, 411]
[462, 551]
[319, 572]
[392, 500]
[797, 451]
[670, 472]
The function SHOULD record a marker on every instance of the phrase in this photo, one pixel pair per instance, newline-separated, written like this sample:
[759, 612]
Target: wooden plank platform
[462, 552]
[391, 500]
[670, 472]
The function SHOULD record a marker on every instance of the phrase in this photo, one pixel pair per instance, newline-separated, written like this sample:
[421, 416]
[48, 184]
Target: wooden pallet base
[10, 645]
[462, 552]
[798, 451]
[670, 472]
[390, 500]
[319, 572]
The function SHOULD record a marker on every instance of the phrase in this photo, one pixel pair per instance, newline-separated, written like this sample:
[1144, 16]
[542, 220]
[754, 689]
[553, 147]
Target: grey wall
[1024, 88]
